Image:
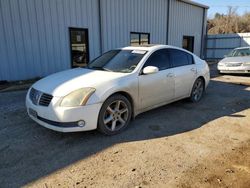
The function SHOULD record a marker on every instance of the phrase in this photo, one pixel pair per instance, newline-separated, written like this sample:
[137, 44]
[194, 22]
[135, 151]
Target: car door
[185, 72]
[156, 88]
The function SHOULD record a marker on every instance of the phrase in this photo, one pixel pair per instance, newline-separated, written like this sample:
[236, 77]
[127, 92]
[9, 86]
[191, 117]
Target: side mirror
[150, 70]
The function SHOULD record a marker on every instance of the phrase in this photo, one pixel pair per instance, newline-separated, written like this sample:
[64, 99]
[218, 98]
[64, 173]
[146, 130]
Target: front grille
[45, 99]
[39, 98]
[233, 64]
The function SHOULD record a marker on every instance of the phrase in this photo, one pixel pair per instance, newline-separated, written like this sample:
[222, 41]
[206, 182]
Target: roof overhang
[195, 3]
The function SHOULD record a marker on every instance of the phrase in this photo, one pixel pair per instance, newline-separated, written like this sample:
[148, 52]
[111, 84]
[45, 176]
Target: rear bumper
[207, 79]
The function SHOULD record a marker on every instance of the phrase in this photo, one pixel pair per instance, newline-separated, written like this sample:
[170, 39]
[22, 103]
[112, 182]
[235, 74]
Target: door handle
[193, 69]
[170, 75]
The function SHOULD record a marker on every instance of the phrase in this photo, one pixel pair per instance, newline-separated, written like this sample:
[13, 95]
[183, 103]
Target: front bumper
[237, 69]
[64, 119]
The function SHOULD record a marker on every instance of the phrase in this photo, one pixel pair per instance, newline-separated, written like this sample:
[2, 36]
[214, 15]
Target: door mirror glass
[150, 70]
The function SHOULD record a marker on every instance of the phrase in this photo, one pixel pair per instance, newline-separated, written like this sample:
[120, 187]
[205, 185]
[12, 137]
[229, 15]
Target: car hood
[236, 59]
[62, 83]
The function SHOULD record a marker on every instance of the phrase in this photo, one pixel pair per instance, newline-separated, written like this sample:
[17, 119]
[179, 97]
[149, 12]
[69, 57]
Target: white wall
[120, 17]
[34, 36]
[185, 19]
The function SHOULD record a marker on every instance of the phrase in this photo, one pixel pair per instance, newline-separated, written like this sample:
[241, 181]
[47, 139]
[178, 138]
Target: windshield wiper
[96, 68]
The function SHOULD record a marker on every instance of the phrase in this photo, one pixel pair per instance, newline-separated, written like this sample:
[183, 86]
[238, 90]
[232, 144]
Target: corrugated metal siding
[120, 17]
[222, 44]
[204, 42]
[185, 19]
[34, 37]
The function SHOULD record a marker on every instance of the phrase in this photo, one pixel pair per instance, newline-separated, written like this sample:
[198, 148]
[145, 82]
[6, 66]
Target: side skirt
[137, 112]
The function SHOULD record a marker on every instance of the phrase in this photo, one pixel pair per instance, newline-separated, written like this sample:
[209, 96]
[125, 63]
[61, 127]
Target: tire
[219, 72]
[197, 90]
[114, 115]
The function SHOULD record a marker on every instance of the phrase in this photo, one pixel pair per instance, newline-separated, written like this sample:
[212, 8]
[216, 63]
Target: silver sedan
[238, 61]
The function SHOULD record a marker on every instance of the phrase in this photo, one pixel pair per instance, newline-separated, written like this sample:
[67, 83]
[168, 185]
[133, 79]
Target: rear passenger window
[190, 59]
[160, 59]
[180, 58]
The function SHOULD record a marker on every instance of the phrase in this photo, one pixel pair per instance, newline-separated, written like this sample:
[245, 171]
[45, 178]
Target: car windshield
[124, 61]
[240, 52]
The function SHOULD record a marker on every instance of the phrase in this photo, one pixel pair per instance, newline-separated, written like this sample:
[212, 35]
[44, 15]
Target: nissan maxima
[116, 87]
[238, 61]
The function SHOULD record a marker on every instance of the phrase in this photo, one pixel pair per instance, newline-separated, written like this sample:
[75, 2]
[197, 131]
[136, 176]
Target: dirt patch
[17, 85]
[239, 79]
[179, 145]
[225, 170]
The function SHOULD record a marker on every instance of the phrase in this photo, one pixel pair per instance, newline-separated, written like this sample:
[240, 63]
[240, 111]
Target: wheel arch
[204, 81]
[128, 96]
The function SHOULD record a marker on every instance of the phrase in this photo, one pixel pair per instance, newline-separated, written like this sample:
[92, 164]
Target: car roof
[246, 47]
[150, 47]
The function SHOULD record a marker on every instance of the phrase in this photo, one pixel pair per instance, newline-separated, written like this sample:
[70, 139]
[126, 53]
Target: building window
[188, 43]
[139, 38]
[79, 47]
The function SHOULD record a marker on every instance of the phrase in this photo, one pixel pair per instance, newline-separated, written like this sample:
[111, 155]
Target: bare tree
[229, 23]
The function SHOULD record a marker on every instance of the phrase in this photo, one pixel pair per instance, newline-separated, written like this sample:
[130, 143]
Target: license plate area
[32, 112]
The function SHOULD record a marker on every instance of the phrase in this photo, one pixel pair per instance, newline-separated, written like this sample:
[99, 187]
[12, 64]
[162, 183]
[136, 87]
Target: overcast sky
[220, 6]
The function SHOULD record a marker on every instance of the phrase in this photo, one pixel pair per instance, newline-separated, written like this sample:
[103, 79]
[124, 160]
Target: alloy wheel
[198, 90]
[116, 115]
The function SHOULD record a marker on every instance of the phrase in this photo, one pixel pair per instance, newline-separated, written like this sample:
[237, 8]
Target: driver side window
[160, 59]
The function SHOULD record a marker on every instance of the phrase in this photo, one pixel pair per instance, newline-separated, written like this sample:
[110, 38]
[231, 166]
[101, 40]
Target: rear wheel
[114, 115]
[198, 90]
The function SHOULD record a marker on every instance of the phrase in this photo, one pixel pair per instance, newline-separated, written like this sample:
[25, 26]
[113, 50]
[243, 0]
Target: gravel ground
[178, 145]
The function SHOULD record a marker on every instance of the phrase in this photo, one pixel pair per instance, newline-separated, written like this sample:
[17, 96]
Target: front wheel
[198, 90]
[114, 115]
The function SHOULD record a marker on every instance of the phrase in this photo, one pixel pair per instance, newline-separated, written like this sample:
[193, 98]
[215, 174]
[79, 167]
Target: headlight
[77, 98]
[246, 64]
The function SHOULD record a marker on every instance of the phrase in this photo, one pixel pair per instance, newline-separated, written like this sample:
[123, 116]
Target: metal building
[40, 37]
